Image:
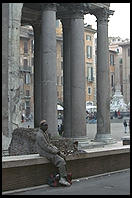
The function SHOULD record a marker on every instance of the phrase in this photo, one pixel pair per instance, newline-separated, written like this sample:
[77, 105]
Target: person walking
[52, 153]
[125, 125]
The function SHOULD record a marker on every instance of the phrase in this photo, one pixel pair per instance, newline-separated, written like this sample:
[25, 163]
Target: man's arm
[41, 141]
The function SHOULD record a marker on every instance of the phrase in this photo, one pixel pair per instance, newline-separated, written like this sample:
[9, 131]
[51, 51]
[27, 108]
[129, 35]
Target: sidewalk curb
[74, 180]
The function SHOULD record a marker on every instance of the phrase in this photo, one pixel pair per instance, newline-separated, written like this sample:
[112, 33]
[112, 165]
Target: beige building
[125, 80]
[90, 69]
[122, 72]
[26, 69]
[113, 71]
[26, 66]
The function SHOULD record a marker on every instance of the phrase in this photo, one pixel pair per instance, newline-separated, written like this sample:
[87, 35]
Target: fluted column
[103, 79]
[48, 70]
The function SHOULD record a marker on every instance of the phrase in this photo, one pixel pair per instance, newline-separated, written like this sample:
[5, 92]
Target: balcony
[27, 97]
[90, 79]
[25, 68]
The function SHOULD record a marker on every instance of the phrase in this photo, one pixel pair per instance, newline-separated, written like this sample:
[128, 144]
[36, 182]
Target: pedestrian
[22, 117]
[129, 125]
[115, 114]
[125, 125]
[118, 113]
[61, 129]
[52, 153]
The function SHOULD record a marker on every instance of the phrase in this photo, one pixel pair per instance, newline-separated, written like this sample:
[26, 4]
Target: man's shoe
[64, 182]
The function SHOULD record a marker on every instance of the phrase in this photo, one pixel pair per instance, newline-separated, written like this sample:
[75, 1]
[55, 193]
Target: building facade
[26, 70]
[113, 65]
[90, 69]
[125, 71]
[122, 69]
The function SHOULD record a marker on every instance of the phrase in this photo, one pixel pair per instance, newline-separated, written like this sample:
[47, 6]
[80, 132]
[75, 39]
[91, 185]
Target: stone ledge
[33, 159]
[32, 170]
[126, 140]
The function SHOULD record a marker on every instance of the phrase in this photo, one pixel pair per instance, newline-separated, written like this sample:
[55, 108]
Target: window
[88, 37]
[27, 108]
[61, 65]
[118, 50]
[32, 61]
[89, 72]
[112, 59]
[27, 92]
[89, 91]
[25, 47]
[27, 104]
[112, 81]
[61, 50]
[61, 80]
[57, 80]
[57, 23]
[120, 61]
[32, 46]
[25, 62]
[27, 78]
[89, 51]
[128, 51]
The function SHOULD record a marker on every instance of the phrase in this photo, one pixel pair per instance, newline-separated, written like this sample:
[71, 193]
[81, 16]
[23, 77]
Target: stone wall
[14, 100]
[23, 142]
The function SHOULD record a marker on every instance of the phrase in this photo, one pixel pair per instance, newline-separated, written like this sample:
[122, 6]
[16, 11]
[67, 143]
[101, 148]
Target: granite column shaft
[103, 79]
[48, 70]
[37, 74]
[74, 78]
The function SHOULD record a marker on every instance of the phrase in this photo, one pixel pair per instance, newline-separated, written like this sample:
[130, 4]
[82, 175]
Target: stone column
[66, 77]
[74, 78]
[103, 79]
[37, 73]
[5, 32]
[48, 70]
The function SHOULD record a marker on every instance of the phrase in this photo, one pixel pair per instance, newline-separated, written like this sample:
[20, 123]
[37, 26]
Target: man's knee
[60, 161]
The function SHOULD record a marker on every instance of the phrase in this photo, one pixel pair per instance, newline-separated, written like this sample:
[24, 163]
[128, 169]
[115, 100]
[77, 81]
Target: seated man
[46, 149]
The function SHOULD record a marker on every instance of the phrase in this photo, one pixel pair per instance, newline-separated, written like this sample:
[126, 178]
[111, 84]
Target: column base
[83, 142]
[106, 138]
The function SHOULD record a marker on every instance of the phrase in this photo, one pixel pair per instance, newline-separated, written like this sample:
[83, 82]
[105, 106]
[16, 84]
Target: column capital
[65, 22]
[49, 6]
[36, 23]
[102, 15]
[71, 11]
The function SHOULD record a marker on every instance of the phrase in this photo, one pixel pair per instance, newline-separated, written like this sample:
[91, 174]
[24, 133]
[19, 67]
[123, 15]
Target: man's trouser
[60, 163]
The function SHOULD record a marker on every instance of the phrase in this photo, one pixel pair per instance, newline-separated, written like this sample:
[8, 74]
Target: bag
[54, 178]
[69, 178]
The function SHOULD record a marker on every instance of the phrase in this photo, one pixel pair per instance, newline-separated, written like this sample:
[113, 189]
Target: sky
[119, 23]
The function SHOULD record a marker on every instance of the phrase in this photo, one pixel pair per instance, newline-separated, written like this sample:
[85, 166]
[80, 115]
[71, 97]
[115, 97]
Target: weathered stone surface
[23, 142]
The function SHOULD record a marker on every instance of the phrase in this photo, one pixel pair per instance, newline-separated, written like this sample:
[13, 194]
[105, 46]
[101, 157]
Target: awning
[59, 108]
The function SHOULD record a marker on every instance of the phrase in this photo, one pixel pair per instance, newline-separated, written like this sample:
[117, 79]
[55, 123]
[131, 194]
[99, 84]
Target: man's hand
[61, 154]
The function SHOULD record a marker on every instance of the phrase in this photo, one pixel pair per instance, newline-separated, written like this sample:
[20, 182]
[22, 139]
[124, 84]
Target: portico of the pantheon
[42, 17]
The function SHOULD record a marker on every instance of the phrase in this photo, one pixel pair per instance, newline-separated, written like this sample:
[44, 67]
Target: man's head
[43, 125]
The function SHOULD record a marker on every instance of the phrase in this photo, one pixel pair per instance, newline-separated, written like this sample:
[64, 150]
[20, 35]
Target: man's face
[44, 126]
